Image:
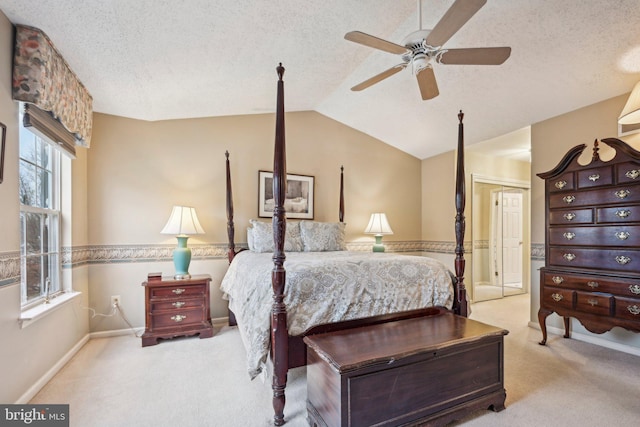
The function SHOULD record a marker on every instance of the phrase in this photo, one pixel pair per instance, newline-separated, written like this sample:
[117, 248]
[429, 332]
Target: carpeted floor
[189, 382]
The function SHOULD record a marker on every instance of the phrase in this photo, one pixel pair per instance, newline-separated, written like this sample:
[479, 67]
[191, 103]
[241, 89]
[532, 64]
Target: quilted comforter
[328, 287]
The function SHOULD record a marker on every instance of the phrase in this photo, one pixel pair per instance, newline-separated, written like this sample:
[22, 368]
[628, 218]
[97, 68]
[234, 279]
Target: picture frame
[3, 137]
[298, 200]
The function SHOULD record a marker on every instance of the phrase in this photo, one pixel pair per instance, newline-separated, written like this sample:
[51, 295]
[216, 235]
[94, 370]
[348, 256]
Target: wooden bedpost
[279, 332]
[460, 303]
[341, 212]
[231, 251]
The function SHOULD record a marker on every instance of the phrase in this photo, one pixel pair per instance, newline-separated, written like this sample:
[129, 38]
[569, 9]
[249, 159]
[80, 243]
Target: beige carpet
[189, 382]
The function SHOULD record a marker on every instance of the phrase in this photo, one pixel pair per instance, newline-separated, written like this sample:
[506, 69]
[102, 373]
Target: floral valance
[42, 77]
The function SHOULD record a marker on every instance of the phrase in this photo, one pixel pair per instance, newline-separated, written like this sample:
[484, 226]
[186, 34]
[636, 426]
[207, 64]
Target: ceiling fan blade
[457, 15]
[476, 56]
[379, 77]
[375, 42]
[427, 83]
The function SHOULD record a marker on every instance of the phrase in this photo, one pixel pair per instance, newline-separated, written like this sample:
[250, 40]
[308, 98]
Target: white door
[512, 238]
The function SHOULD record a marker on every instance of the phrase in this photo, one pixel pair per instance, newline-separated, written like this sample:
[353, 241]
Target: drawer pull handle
[561, 184]
[178, 291]
[557, 279]
[178, 304]
[557, 297]
[178, 318]
[622, 235]
[623, 260]
[633, 309]
[569, 235]
[569, 257]
[634, 289]
[593, 285]
[569, 216]
[569, 199]
[594, 177]
[623, 213]
[592, 302]
[622, 194]
[633, 174]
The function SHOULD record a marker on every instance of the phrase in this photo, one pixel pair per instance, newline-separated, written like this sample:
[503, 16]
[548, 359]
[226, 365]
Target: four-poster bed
[289, 351]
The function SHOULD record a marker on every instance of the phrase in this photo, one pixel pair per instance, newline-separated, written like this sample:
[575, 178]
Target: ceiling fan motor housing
[420, 53]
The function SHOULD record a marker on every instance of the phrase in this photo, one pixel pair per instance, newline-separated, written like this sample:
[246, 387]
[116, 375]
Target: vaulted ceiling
[167, 59]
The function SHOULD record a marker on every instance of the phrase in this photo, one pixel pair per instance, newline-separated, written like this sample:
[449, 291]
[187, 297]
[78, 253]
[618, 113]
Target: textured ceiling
[165, 59]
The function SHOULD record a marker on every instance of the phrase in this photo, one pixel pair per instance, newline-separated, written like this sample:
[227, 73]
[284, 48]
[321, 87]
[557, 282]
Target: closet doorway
[501, 238]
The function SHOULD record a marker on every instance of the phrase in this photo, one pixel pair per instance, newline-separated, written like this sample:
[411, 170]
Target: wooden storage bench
[422, 371]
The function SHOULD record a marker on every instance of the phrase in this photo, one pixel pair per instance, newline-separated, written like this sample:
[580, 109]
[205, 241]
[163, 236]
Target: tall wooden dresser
[592, 250]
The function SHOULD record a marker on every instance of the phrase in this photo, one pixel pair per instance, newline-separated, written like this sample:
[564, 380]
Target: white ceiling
[165, 59]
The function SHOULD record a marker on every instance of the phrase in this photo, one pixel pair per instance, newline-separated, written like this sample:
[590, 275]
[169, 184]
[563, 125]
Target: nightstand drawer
[178, 304]
[594, 303]
[178, 291]
[177, 318]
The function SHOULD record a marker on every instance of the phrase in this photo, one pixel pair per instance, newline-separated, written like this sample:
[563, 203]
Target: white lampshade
[183, 221]
[631, 112]
[378, 225]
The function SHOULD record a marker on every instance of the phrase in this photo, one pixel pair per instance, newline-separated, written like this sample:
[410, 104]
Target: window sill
[38, 312]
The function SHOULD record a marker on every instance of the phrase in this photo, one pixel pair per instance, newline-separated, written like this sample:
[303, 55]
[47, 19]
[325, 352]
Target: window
[39, 192]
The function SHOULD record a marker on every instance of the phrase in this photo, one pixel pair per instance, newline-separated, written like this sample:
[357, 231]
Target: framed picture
[3, 136]
[298, 202]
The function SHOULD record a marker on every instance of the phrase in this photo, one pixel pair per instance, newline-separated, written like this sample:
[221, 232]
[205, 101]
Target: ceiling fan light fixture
[420, 62]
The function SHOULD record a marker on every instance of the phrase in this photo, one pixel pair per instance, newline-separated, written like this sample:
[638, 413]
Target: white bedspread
[327, 287]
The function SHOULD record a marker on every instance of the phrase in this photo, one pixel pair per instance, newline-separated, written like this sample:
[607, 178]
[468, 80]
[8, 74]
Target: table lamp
[182, 222]
[378, 226]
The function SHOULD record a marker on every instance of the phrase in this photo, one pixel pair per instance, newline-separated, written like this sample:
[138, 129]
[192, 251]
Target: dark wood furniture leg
[543, 313]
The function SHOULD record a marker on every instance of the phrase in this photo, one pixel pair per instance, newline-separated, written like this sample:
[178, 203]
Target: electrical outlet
[115, 300]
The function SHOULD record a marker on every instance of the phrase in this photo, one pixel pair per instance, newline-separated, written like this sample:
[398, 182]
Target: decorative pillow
[322, 236]
[250, 238]
[262, 237]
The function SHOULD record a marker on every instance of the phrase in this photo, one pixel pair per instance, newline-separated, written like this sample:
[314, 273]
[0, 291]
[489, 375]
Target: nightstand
[176, 308]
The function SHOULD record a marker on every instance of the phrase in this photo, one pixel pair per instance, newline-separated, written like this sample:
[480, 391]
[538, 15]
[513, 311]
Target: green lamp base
[378, 246]
[182, 259]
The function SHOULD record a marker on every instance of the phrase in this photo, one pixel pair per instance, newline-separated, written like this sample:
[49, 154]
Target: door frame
[505, 182]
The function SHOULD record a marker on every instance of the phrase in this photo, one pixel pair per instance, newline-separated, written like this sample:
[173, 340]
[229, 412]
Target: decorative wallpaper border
[112, 254]
[9, 268]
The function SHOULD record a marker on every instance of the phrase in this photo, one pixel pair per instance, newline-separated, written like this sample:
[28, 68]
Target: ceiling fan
[422, 48]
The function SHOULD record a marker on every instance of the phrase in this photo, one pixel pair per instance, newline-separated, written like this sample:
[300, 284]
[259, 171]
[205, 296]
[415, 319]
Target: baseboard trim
[40, 383]
[590, 339]
[117, 333]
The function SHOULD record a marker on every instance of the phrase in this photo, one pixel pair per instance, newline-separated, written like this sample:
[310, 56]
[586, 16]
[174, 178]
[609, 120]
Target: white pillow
[323, 236]
[262, 237]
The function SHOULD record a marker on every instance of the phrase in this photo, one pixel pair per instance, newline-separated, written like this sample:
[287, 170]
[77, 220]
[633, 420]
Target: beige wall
[550, 140]
[137, 170]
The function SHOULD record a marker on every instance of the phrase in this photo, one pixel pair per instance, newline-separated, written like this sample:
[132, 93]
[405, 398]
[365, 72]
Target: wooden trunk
[422, 371]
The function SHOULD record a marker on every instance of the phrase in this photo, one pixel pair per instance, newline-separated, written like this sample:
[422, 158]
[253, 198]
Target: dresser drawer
[558, 298]
[628, 308]
[176, 318]
[604, 236]
[625, 214]
[594, 303]
[623, 287]
[176, 304]
[562, 183]
[610, 259]
[616, 194]
[595, 177]
[574, 216]
[178, 291]
[628, 172]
